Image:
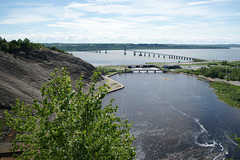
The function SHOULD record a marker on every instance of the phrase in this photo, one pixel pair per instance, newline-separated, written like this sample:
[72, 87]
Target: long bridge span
[152, 54]
[159, 55]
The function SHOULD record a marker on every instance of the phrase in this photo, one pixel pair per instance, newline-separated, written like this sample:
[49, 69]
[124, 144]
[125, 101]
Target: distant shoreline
[132, 46]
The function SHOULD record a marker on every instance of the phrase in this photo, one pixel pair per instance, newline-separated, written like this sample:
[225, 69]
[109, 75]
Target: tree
[70, 124]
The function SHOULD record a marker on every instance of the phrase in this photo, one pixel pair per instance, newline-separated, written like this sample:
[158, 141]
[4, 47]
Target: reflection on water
[176, 117]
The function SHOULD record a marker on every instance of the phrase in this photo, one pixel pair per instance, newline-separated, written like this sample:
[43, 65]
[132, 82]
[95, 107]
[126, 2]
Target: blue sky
[122, 21]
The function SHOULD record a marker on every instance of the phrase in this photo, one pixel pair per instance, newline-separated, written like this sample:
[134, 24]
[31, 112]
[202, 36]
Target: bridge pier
[125, 50]
[159, 55]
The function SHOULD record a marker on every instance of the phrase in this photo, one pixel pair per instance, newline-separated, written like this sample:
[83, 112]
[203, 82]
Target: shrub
[70, 124]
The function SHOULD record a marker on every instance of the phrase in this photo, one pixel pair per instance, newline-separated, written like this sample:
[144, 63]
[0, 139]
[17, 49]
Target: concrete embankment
[114, 85]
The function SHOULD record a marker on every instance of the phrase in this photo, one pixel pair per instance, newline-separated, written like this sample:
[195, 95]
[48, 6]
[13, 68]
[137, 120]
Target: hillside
[22, 77]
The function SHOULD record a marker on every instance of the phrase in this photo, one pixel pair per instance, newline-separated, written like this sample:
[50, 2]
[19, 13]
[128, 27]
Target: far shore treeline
[25, 45]
[128, 46]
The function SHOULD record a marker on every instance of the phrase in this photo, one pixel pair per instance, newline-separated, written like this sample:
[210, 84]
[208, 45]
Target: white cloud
[31, 13]
[207, 2]
[156, 21]
[23, 19]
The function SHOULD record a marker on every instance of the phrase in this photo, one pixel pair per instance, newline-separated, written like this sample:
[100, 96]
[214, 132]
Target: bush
[70, 124]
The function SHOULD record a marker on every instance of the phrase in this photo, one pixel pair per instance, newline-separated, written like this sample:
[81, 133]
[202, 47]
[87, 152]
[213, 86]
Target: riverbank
[114, 85]
[226, 91]
[222, 75]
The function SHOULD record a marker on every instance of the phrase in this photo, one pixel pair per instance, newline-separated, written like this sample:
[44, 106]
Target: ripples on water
[176, 117]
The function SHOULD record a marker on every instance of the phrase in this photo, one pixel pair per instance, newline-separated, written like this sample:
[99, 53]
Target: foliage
[227, 92]
[198, 60]
[106, 70]
[230, 73]
[25, 45]
[234, 75]
[56, 49]
[19, 45]
[109, 70]
[70, 124]
[236, 139]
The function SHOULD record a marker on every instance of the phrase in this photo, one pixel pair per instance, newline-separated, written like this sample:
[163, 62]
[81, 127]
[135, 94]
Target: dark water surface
[176, 117]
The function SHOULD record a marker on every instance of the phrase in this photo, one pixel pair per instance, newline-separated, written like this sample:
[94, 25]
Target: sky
[122, 21]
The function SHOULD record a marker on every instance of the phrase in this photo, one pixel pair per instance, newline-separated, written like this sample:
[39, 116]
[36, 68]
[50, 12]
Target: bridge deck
[164, 55]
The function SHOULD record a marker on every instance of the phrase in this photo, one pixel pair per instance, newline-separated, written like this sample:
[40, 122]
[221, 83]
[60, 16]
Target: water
[117, 57]
[176, 117]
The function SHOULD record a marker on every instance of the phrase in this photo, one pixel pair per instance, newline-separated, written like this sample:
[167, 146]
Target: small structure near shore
[172, 66]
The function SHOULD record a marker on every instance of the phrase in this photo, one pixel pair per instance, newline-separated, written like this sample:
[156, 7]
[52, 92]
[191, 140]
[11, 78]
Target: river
[117, 57]
[176, 117]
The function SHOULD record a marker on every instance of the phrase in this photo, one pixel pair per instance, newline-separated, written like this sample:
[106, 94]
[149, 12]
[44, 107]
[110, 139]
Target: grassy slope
[228, 93]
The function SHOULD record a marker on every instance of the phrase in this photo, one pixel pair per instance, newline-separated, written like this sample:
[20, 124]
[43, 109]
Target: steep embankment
[22, 77]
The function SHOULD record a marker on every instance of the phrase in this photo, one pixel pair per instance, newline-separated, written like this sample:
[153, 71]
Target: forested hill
[16, 46]
[121, 46]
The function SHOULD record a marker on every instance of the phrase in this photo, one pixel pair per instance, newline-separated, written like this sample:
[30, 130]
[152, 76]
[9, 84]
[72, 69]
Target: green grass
[228, 93]
[160, 63]
[199, 60]
[109, 70]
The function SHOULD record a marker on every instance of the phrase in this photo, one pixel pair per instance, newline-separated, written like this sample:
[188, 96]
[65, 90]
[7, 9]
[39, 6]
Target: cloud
[25, 19]
[136, 21]
[30, 13]
[207, 2]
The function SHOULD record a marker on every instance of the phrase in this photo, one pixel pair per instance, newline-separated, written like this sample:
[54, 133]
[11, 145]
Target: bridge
[151, 54]
[159, 55]
[144, 68]
[147, 70]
